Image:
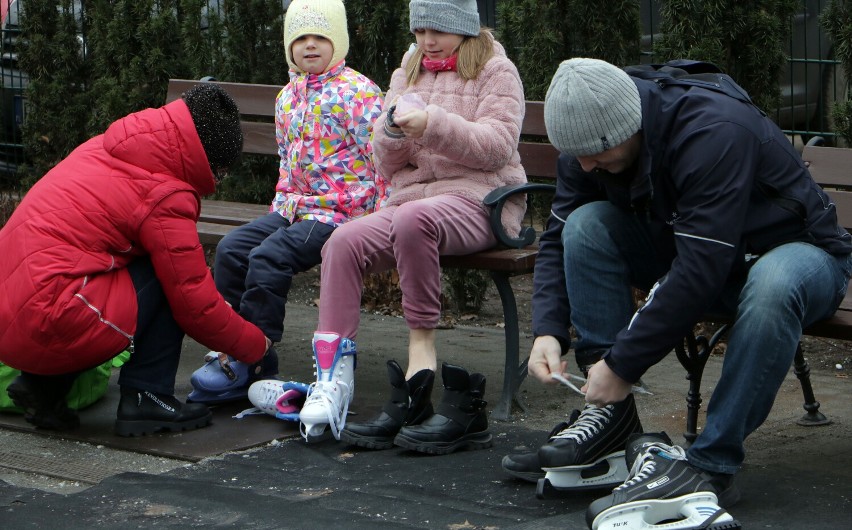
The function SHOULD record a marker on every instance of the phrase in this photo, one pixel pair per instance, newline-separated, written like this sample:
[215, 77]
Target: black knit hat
[217, 121]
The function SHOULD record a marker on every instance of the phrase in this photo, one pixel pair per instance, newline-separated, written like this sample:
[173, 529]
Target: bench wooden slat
[533, 123]
[510, 260]
[253, 100]
[838, 327]
[211, 233]
[829, 166]
[538, 159]
[843, 202]
[259, 138]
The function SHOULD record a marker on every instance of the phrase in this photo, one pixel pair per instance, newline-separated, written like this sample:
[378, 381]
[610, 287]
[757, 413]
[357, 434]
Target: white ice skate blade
[689, 512]
[577, 477]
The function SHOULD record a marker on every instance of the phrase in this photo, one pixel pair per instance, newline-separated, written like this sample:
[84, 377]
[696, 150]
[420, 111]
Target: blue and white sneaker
[282, 399]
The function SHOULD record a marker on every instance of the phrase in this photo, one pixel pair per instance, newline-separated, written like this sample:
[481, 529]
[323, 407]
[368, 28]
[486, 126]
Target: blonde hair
[473, 53]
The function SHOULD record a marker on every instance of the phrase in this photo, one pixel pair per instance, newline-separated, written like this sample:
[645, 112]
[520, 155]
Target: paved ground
[795, 477]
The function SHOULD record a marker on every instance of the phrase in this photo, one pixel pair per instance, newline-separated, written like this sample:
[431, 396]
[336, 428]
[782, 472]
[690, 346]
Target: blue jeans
[255, 264]
[608, 251]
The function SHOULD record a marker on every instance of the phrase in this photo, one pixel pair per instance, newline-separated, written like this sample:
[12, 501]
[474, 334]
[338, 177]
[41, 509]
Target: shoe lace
[591, 421]
[645, 464]
[269, 395]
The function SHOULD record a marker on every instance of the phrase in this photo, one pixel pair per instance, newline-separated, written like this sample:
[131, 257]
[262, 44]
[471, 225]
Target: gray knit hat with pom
[591, 106]
[217, 121]
[460, 17]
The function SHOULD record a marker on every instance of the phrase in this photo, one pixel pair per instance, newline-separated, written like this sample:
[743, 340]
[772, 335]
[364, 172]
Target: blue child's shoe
[224, 381]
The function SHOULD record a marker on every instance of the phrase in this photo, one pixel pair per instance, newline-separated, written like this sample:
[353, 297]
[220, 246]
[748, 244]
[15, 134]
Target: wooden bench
[830, 168]
[511, 258]
[516, 256]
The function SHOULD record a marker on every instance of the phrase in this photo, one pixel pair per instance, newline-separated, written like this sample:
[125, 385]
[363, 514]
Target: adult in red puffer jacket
[103, 255]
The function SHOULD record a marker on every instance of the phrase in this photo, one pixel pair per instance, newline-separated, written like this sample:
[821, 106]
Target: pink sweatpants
[410, 237]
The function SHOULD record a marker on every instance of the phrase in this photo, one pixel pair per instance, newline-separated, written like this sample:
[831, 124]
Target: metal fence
[811, 83]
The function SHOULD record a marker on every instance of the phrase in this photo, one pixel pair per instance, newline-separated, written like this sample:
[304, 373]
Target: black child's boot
[461, 420]
[410, 403]
[142, 412]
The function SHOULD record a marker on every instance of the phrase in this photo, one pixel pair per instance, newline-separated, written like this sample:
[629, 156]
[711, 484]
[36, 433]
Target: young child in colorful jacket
[324, 122]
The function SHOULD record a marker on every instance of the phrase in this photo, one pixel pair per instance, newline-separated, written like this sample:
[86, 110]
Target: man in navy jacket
[692, 194]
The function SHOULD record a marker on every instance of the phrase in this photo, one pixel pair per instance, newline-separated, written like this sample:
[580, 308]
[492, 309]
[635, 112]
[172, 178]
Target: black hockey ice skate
[664, 491]
[589, 454]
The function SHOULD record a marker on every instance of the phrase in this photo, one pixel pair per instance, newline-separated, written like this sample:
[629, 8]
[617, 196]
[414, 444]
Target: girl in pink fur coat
[451, 137]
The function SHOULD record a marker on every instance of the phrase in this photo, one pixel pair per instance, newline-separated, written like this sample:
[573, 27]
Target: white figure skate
[327, 404]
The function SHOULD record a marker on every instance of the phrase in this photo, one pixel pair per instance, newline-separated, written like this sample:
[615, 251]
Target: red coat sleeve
[170, 236]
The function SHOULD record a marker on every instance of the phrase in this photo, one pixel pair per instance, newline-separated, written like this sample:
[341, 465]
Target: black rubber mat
[225, 434]
[329, 485]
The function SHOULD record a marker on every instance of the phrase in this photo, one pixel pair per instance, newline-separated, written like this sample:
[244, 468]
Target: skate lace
[333, 396]
[591, 421]
[645, 464]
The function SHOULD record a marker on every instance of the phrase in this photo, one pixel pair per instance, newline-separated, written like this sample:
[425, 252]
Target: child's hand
[412, 123]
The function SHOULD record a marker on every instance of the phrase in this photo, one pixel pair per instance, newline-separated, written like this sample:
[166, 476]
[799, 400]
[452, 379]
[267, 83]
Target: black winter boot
[461, 420]
[43, 398]
[410, 403]
[142, 412]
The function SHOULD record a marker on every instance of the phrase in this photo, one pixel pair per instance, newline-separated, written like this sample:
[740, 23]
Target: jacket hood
[162, 140]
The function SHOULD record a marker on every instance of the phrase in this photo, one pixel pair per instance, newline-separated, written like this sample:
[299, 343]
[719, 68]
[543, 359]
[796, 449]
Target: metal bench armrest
[496, 199]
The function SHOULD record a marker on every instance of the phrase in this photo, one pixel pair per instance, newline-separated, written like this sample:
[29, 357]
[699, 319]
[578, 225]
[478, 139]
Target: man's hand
[603, 387]
[546, 359]
[412, 123]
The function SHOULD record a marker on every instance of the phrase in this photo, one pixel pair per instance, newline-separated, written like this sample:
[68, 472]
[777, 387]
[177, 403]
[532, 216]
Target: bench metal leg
[693, 354]
[513, 372]
[802, 370]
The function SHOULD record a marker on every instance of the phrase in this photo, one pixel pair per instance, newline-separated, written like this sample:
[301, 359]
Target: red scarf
[440, 65]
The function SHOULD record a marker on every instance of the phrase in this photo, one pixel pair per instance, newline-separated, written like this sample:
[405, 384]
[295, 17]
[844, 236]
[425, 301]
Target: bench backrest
[257, 108]
[831, 168]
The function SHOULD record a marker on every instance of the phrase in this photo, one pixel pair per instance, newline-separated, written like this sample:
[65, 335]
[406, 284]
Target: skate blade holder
[695, 511]
[605, 473]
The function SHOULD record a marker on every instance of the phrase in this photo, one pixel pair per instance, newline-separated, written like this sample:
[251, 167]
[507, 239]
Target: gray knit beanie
[591, 106]
[217, 121]
[460, 17]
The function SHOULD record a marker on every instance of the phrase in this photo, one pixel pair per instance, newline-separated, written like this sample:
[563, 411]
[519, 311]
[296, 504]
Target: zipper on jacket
[131, 346]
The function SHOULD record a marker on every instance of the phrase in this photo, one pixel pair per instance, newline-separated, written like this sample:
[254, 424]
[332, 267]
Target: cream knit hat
[326, 18]
[591, 106]
[460, 17]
